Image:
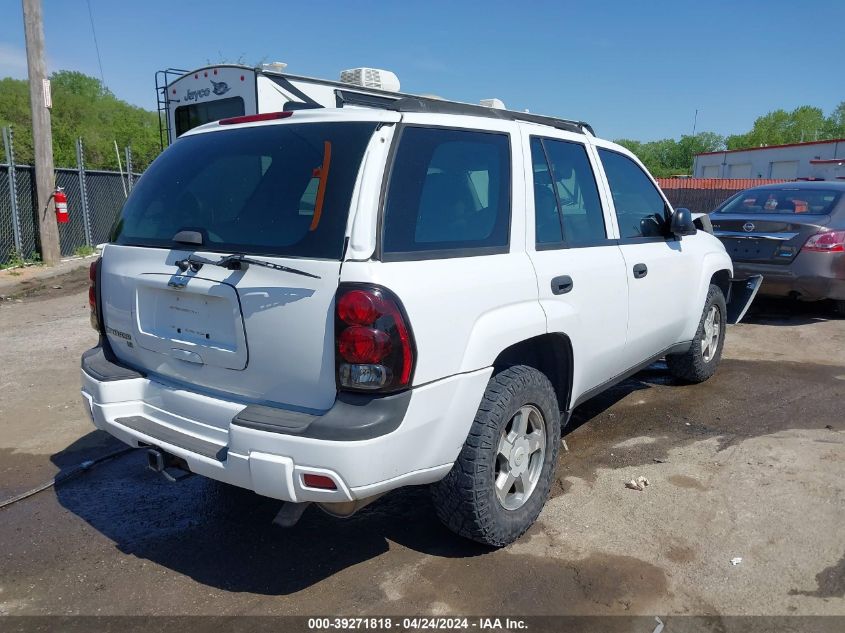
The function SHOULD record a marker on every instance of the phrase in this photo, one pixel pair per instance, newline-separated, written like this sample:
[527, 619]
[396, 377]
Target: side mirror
[682, 223]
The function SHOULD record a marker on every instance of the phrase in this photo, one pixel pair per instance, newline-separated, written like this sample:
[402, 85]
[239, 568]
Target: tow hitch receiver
[173, 468]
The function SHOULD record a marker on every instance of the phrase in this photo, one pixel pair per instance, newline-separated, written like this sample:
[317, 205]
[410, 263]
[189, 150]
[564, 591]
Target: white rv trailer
[187, 99]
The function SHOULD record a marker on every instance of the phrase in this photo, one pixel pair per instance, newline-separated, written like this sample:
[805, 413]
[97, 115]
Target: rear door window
[280, 190]
[567, 207]
[449, 193]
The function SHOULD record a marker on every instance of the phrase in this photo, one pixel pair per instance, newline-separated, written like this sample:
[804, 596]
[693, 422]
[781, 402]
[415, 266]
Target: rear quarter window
[449, 194]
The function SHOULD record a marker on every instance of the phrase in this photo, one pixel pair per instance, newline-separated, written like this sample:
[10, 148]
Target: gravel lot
[750, 464]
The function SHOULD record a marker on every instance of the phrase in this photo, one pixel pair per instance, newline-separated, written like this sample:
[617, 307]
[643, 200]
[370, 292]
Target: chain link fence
[105, 200]
[92, 211]
[94, 199]
[7, 218]
[18, 228]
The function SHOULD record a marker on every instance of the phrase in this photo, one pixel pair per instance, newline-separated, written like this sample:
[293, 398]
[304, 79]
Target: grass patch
[84, 251]
[16, 260]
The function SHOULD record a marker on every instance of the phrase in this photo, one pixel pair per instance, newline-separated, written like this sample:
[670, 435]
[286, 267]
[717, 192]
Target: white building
[823, 160]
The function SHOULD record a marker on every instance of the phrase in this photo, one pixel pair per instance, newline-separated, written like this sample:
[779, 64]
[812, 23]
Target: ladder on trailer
[163, 79]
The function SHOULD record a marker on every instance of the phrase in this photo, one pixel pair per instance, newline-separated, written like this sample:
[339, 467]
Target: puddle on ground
[831, 582]
[745, 399]
[599, 583]
[682, 481]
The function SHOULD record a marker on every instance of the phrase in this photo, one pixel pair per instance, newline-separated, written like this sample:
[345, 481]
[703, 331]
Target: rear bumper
[810, 276]
[419, 448]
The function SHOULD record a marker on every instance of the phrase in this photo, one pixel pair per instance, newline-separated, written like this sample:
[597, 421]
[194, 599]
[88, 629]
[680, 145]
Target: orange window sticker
[321, 172]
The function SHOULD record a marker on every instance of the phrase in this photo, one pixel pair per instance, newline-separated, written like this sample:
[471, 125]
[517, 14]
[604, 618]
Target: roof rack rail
[351, 97]
[422, 104]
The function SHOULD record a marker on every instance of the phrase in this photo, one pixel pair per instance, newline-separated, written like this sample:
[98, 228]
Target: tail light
[93, 303]
[826, 242]
[374, 345]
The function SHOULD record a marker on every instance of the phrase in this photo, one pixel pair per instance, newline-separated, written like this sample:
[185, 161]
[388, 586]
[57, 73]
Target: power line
[96, 45]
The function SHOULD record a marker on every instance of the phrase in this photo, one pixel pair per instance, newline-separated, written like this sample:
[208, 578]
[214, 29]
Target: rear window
[794, 200]
[278, 190]
[449, 193]
[190, 116]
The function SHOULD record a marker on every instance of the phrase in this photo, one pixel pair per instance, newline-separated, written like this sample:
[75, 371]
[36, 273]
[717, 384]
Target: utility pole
[42, 136]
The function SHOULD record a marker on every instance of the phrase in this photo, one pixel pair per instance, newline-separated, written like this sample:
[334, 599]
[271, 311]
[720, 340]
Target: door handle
[640, 271]
[561, 285]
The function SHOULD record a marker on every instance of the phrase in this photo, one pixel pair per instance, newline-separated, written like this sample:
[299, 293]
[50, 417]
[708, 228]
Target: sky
[635, 69]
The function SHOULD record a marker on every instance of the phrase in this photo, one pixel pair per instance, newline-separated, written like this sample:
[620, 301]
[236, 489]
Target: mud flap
[740, 296]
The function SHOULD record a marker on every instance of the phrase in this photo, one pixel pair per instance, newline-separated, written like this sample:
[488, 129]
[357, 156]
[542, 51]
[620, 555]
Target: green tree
[14, 111]
[807, 123]
[804, 123]
[836, 122]
[82, 107]
[668, 157]
[683, 152]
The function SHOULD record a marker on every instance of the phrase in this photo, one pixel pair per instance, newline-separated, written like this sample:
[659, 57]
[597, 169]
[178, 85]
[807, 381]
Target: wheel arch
[716, 268]
[722, 278]
[550, 354]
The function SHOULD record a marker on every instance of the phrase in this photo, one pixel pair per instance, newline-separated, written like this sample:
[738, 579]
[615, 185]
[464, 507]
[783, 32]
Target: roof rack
[351, 97]
[422, 104]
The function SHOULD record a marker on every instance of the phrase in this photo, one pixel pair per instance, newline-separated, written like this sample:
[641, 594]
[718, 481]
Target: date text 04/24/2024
[417, 623]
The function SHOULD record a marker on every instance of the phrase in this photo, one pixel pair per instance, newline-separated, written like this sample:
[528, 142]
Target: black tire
[693, 365]
[466, 500]
[839, 307]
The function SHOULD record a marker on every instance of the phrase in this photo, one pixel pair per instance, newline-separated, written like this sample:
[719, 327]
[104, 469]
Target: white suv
[324, 305]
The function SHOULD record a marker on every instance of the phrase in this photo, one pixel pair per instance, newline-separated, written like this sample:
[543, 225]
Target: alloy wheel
[711, 334]
[519, 457]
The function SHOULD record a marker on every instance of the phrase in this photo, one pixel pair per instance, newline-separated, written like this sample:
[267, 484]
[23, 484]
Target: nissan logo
[748, 227]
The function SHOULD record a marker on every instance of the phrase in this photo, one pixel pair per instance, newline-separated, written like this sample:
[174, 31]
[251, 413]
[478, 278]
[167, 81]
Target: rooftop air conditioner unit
[371, 78]
[275, 66]
[493, 103]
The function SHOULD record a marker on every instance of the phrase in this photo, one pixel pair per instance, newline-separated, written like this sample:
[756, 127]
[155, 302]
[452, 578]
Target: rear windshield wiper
[236, 262]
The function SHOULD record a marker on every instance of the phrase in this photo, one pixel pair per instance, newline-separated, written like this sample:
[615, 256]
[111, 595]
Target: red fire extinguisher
[60, 199]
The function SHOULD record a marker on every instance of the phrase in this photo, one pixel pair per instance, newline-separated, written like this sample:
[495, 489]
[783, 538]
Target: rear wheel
[701, 360]
[501, 479]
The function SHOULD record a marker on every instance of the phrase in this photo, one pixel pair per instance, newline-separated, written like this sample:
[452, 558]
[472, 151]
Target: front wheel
[502, 477]
[701, 360]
